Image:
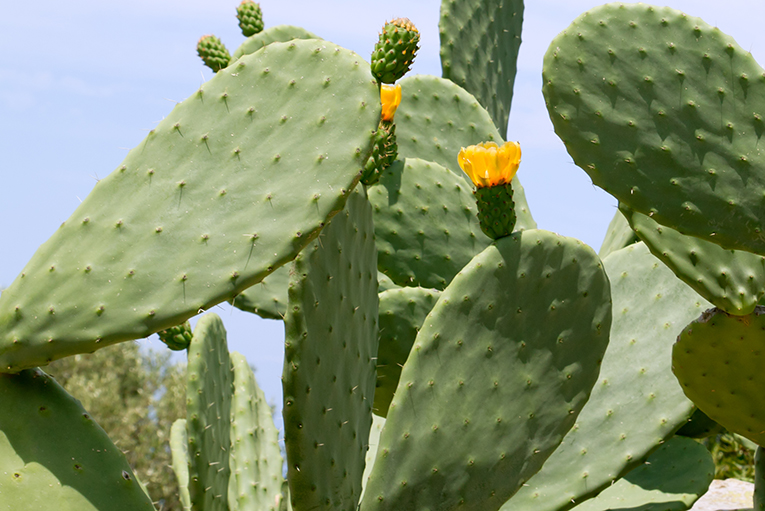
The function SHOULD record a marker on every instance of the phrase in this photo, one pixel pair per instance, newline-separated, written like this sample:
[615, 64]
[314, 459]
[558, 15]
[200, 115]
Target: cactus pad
[664, 112]
[618, 235]
[718, 360]
[329, 363]
[426, 224]
[53, 455]
[268, 298]
[213, 52]
[250, 17]
[208, 415]
[504, 362]
[395, 51]
[479, 50]
[732, 280]
[256, 480]
[699, 425]
[402, 312]
[277, 34]
[649, 307]
[671, 479]
[179, 447]
[195, 215]
[436, 119]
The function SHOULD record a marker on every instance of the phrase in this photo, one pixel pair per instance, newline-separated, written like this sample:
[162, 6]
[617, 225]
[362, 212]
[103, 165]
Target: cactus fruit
[130, 260]
[733, 280]
[53, 455]
[504, 362]
[250, 17]
[177, 338]
[610, 439]
[331, 335]
[395, 51]
[384, 153]
[671, 479]
[664, 112]
[496, 210]
[277, 34]
[213, 52]
[718, 361]
[480, 40]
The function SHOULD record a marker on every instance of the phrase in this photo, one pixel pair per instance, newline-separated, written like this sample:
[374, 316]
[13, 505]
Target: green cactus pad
[195, 215]
[496, 210]
[665, 112]
[208, 415]
[479, 50]
[213, 52]
[618, 235]
[250, 17]
[277, 34]
[718, 360]
[53, 455]
[498, 374]
[395, 50]
[374, 441]
[402, 312]
[650, 306]
[268, 298]
[179, 447]
[329, 364]
[177, 338]
[256, 480]
[699, 425]
[672, 479]
[436, 119]
[426, 224]
[732, 280]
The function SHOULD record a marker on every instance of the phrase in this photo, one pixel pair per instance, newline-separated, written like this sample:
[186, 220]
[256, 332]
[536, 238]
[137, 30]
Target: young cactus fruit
[213, 52]
[395, 51]
[492, 168]
[177, 338]
[250, 17]
[385, 150]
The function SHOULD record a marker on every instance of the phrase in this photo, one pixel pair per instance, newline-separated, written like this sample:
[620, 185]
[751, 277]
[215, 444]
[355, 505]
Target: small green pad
[277, 34]
[426, 224]
[664, 112]
[718, 360]
[699, 425]
[498, 374]
[53, 455]
[329, 362]
[208, 414]
[256, 462]
[732, 280]
[179, 447]
[402, 312]
[268, 298]
[436, 119]
[480, 40]
[637, 402]
[228, 187]
[672, 479]
[618, 235]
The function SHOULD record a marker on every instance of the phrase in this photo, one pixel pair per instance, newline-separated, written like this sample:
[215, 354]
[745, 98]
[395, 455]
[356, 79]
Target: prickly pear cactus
[331, 335]
[195, 215]
[208, 415]
[267, 299]
[718, 360]
[619, 234]
[650, 306]
[277, 34]
[733, 280]
[664, 112]
[480, 40]
[179, 446]
[53, 455]
[250, 17]
[213, 52]
[503, 363]
[177, 338]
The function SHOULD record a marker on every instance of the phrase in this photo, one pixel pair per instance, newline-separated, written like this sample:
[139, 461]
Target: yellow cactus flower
[390, 97]
[488, 164]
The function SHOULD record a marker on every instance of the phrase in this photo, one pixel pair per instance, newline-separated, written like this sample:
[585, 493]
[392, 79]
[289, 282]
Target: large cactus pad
[665, 112]
[228, 187]
[497, 375]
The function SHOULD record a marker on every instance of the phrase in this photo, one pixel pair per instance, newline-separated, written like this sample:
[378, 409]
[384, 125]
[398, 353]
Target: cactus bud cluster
[213, 52]
[395, 51]
[177, 338]
[250, 17]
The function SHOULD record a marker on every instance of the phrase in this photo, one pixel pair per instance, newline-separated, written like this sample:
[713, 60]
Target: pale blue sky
[81, 82]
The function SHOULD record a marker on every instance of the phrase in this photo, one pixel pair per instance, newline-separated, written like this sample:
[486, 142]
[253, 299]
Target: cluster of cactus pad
[427, 366]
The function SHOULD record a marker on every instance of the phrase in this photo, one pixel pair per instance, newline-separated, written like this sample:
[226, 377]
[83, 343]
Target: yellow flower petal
[488, 164]
[390, 97]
